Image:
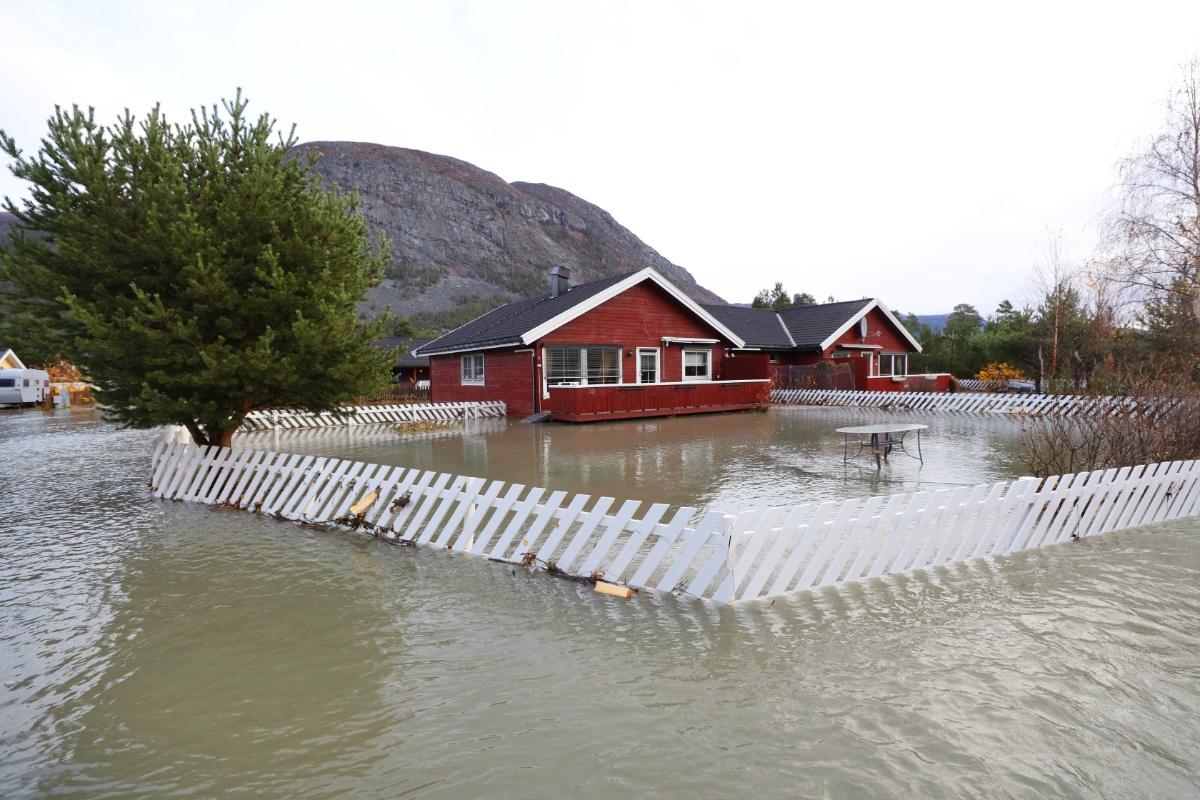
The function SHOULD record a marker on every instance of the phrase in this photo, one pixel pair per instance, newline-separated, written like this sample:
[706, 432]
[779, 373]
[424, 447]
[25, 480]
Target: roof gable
[7, 353]
[811, 326]
[525, 321]
[807, 327]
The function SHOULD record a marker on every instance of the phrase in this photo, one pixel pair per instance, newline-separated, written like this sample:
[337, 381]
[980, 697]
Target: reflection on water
[165, 650]
[719, 461]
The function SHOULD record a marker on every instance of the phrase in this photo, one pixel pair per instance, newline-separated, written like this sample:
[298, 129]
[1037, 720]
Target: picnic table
[880, 440]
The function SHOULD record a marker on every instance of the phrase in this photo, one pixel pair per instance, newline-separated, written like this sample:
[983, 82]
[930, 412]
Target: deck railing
[285, 418]
[722, 557]
[617, 401]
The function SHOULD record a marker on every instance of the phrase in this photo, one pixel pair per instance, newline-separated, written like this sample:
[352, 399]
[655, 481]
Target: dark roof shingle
[758, 327]
[798, 327]
[812, 325]
[505, 325]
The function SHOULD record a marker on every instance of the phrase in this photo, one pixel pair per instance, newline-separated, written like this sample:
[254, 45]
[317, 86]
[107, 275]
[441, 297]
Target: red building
[634, 345]
[860, 340]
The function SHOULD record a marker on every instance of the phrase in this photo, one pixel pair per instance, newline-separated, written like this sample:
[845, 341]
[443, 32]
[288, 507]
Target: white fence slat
[291, 419]
[801, 543]
[499, 513]
[476, 511]
[973, 403]
[612, 530]
[642, 531]
[725, 558]
[521, 513]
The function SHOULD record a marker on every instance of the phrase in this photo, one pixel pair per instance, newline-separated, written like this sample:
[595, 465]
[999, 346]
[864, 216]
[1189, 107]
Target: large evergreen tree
[200, 272]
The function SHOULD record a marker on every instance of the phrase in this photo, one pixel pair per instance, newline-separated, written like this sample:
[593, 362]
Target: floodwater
[154, 649]
[725, 462]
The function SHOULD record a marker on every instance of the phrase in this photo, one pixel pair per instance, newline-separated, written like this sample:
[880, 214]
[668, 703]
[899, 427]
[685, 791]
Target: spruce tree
[198, 272]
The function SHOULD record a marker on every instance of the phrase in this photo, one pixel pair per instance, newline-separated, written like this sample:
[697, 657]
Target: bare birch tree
[1155, 233]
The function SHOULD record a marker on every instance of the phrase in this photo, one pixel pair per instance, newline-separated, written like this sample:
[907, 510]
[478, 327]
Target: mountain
[461, 237]
[7, 221]
[937, 322]
[463, 240]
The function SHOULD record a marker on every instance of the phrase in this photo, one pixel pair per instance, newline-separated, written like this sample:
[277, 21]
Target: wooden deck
[631, 401]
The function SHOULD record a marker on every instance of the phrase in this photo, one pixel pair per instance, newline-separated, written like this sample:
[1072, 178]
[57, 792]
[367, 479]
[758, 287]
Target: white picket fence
[1033, 405]
[722, 557]
[283, 418]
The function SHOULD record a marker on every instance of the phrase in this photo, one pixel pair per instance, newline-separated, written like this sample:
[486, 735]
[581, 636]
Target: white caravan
[23, 387]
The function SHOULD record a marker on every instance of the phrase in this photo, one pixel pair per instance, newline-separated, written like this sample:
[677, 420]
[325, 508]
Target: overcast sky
[918, 153]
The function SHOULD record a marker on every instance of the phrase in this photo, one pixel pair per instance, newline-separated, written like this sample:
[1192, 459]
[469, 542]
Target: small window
[893, 364]
[472, 369]
[696, 365]
[774, 358]
[26, 382]
[8, 383]
[647, 365]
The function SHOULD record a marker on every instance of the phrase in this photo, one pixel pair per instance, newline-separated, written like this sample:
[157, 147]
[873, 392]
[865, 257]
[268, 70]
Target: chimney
[560, 280]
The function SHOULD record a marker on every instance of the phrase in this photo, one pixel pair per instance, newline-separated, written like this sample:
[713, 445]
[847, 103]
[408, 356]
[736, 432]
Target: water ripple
[163, 650]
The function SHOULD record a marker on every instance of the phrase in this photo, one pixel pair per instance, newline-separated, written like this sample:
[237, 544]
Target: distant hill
[935, 321]
[7, 221]
[463, 239]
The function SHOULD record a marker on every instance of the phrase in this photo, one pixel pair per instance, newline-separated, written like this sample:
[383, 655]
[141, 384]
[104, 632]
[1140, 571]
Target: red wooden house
[862, 338]
[632, 345]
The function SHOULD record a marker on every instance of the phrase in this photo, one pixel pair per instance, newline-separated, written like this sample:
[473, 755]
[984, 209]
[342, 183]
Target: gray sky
[918, 153]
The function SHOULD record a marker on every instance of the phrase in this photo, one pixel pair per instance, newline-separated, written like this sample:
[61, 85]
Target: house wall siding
[879, 331]
[507, 376]
[640, 317]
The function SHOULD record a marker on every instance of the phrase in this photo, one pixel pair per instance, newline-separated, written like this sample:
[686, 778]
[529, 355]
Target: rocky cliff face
[7, 221]
[463, 240]
[460, 235]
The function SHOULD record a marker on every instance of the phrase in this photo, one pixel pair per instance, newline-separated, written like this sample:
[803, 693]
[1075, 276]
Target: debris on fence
[721, 557]
[613, 589]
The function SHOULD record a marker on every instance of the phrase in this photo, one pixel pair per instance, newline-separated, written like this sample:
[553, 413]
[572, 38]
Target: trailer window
[7, 383]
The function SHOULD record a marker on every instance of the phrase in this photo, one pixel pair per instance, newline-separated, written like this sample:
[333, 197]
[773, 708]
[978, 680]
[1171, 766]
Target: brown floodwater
[152, 649]
[722, 462]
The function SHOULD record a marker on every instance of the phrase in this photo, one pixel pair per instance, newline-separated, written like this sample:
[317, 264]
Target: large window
[472, 369]
[697, 365]
[647, 365]
[893, 364]
[582, 366]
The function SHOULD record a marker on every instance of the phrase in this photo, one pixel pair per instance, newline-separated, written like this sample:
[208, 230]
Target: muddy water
[718, 461]
[166, 650]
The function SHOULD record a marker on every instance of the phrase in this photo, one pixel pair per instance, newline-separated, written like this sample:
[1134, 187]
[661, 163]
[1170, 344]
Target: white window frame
[657, 364]
[583, 366]
[463, 369]
[707, 361]
[892, 373]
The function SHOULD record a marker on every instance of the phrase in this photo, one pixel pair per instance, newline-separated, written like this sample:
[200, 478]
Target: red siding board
[640, 317]
[507, 376]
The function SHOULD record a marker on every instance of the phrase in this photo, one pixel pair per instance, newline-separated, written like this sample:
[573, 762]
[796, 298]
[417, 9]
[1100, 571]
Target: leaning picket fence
[721, 557]
[283, 418]
[1032, 405]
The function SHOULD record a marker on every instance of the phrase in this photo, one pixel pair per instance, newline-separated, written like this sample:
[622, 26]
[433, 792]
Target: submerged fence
[722, 557]
[423, 412]
[1033, 405]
